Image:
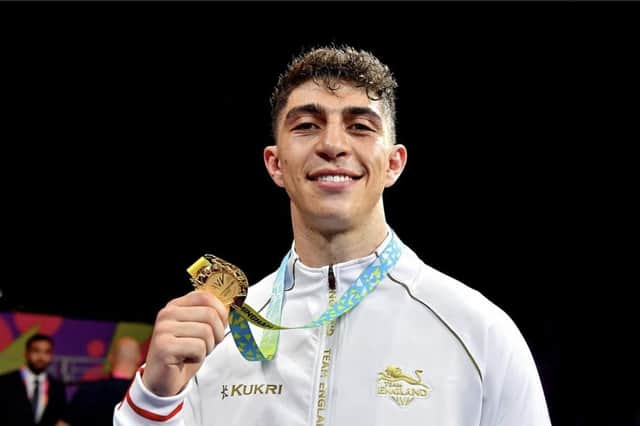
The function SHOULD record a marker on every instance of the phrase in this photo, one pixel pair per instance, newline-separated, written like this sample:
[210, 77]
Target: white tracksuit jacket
[422, 349]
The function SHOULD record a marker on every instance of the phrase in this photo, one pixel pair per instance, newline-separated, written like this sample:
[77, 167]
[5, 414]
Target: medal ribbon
[240, 316]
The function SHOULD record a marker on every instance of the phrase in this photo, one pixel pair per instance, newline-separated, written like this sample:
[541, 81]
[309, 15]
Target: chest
[383, 363]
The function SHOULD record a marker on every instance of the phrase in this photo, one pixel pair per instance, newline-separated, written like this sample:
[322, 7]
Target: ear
[272, 163]
[397, 161]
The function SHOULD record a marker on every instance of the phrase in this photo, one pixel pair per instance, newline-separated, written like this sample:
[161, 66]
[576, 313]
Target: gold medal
[225, 280]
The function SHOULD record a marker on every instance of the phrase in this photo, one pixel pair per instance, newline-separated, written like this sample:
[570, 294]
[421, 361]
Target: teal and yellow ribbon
[241, 316]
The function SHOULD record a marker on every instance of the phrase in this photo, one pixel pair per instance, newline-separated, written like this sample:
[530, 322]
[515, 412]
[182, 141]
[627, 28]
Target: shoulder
[11, 376]
[480, 325]
[441, 292]
[456, 300]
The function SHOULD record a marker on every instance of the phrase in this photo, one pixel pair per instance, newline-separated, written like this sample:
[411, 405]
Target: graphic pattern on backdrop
[81, 346]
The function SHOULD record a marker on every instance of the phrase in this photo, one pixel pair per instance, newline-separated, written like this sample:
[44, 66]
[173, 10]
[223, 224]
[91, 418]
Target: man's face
[333, 155]
[39, 355]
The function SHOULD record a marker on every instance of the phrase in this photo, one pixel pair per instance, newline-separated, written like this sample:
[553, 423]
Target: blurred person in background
[93, 402]
[30, 396]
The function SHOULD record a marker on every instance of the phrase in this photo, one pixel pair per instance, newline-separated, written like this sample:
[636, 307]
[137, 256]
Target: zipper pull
[332, 278]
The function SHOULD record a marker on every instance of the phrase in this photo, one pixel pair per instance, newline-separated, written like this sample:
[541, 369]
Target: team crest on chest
[403, 388]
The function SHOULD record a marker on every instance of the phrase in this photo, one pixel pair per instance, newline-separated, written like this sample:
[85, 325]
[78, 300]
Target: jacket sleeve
[142, 407]
[512, 388]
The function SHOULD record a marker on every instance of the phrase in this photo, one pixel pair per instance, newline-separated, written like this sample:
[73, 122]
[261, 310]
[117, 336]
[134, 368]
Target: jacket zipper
[331, 343]
[323, 379]
[332, 298]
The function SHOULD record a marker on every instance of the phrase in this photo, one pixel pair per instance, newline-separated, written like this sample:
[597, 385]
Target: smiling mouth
[334, 178]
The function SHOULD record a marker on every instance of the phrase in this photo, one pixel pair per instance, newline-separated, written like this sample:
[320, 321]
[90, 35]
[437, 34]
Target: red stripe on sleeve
[148, 414]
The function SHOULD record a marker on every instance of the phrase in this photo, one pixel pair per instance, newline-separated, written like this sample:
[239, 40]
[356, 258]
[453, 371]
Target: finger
[171, 316]
[202, 298]
[205, 314]
[198, 330]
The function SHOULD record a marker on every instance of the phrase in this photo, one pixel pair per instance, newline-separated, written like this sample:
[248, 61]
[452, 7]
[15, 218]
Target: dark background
[133, 137]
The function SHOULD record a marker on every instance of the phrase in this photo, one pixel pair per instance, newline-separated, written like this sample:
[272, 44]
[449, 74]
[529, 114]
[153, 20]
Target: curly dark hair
[330, 66]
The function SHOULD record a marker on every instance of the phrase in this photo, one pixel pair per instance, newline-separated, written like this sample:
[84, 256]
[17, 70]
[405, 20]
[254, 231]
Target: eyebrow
[312, 109]
[316, 109]
[366, 112]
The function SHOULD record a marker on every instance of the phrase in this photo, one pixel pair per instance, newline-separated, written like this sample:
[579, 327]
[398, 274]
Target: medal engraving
[225, 280]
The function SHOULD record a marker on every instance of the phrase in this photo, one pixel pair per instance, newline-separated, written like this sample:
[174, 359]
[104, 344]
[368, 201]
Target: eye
[360, 127]
[305, 126]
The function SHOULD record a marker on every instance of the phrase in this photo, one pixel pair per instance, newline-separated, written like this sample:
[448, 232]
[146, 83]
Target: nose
[333, 143]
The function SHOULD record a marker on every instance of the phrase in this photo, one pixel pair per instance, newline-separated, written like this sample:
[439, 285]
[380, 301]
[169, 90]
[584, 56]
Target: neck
[319, 247]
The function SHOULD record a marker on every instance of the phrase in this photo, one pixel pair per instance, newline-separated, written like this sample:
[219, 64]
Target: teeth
[334, 178]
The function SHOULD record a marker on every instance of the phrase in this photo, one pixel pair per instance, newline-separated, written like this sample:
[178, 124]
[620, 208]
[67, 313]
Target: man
[422, 349]
[93, 402]
[30, 396]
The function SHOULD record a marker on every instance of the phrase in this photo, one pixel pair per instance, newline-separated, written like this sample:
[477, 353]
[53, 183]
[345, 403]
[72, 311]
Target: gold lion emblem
[401, 387]
[395, 374]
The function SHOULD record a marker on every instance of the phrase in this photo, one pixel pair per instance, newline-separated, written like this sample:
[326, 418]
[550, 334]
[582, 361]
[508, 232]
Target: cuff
[146, 404]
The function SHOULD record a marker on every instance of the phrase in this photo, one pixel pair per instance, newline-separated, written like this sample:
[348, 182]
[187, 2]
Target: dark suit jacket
[93, 403]
[15, 407]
